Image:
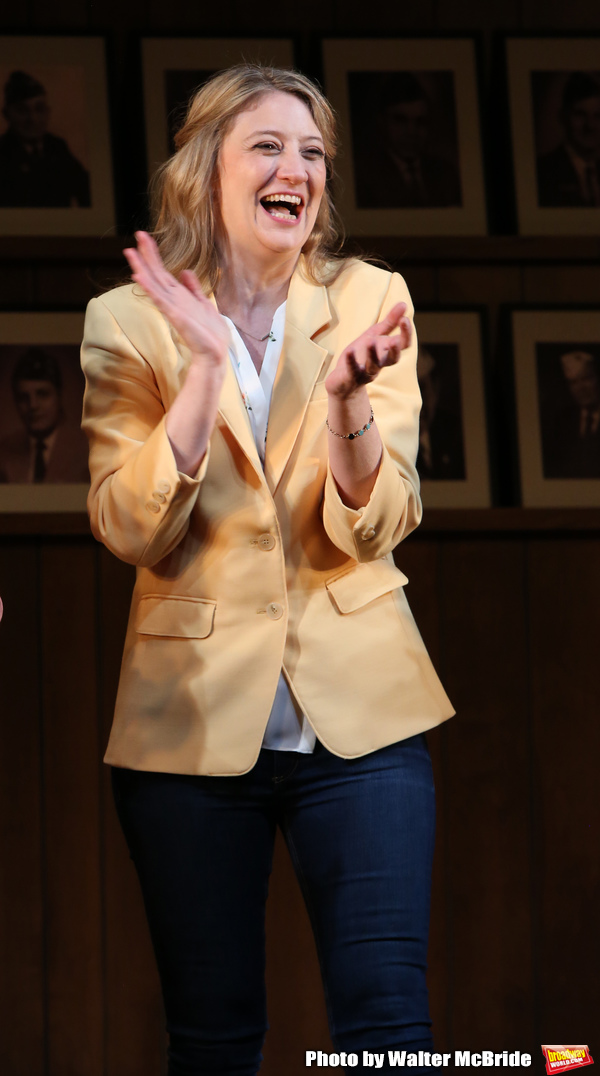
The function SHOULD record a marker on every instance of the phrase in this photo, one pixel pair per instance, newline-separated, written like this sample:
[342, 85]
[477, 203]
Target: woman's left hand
[362, 360]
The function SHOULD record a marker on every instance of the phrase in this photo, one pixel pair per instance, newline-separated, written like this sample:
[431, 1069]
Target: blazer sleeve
[394, 508]
[139, 503]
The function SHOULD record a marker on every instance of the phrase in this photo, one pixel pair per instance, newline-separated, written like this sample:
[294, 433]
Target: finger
[189, 279]
[357, 369]
[391, 320]
[392, 352]
[406, 332]
[149, 253]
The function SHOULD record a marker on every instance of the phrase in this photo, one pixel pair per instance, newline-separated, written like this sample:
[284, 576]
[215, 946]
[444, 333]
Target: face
[272, 177]
[28, 119]
[406, 127]
[582, 125]
[39, 405]
[583, 384]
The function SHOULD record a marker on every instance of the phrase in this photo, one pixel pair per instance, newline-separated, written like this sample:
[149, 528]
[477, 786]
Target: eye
[269, 147]
[315, 153]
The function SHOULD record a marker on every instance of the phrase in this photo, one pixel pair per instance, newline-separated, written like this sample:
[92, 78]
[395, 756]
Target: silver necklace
[259, 339]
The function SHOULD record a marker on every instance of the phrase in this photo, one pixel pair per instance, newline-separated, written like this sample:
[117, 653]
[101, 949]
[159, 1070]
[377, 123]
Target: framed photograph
[175, 67]
[453, 441]
[557, 389]
[43, 452]
[55, 158]
[411, 159]
[554, 91]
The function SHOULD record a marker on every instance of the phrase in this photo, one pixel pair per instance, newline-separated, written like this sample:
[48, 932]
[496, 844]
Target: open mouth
[283, 206]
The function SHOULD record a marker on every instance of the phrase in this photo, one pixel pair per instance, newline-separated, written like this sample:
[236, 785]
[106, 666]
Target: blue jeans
[360, 834]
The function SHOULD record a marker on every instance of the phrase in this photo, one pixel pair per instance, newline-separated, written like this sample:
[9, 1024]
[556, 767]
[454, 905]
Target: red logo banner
[559, 1058]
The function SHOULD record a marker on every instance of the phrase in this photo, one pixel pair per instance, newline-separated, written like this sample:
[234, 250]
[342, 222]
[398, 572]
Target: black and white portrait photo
[566, 107]
[568, 378]
[56, 175]
[43, 149]
[404, 139]
[554, 98]
[41, 391]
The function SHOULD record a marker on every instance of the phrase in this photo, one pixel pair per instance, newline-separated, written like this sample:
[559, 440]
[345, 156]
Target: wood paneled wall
[512, 624]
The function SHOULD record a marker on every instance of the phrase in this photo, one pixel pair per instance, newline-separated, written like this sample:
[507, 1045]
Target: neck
[248, 290]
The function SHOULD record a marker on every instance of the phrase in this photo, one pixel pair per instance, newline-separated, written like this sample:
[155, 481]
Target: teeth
[293, 199]
[281, 216]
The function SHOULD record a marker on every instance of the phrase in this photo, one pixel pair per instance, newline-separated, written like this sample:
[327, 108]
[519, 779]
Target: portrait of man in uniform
[37, 166]
[40, 437]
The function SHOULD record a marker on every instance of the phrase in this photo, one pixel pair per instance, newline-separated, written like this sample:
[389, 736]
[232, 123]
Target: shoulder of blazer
[360, 283]
[132, 312]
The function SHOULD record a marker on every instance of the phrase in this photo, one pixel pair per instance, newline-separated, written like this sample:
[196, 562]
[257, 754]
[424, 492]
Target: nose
[291, 166]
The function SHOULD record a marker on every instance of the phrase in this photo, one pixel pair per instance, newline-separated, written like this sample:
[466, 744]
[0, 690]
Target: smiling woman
[252, 409]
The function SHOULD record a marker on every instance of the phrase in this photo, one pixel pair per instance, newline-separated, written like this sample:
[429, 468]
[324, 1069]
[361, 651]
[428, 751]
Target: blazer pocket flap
[179, 618]
[364, 583]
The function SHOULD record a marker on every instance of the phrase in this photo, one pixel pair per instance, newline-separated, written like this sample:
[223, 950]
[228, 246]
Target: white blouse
[287, 728]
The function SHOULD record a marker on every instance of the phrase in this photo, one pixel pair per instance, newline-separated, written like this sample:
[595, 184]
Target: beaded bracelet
[357, 433]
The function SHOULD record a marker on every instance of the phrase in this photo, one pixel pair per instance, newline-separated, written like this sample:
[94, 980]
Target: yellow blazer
[240, 570]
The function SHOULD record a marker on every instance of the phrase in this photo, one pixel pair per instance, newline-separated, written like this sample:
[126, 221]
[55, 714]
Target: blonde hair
[185, 189]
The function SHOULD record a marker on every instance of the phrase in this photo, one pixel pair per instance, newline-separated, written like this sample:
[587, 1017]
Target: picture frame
[172, 67]
[453, 459]
[411, 160]
[41, 393]
[56, 173]
[556, 374]
[554, 90]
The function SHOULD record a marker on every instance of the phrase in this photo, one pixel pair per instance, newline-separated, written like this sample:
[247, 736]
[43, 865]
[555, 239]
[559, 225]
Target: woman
[272, 673]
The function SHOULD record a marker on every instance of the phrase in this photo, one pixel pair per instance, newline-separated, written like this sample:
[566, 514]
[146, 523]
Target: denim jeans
[360, 834]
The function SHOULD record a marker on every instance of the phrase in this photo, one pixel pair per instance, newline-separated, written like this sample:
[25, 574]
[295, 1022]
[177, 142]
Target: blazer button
[153, 506]
[163, 487]
[266, 541]
[274, 611]
[369, 532]
[158, 496]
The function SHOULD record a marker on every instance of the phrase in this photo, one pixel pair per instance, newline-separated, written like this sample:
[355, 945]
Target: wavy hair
[185, 190]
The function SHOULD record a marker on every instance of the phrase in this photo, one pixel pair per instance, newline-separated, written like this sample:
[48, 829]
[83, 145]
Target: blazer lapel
[301, 362]
[233, 412]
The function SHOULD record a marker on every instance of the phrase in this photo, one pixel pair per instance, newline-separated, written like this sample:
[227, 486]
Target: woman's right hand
[183, 303]
[192, 415]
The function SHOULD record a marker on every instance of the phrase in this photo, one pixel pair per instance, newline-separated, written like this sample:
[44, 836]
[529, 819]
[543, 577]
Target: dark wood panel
[16, 285]
[487, 794]
[135, 1039]
[22, 1015]
[425, 250]
[66, 15]
[439, 521]
[380, 18]
[544, 15]
[62, 285]
[71, 799]
[565, 599]
[203, 19]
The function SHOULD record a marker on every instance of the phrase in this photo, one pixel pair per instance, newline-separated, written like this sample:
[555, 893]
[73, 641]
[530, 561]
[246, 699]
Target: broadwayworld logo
[559, 1058]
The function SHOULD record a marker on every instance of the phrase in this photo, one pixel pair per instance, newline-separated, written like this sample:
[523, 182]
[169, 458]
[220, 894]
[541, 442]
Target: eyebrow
[278, 134]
